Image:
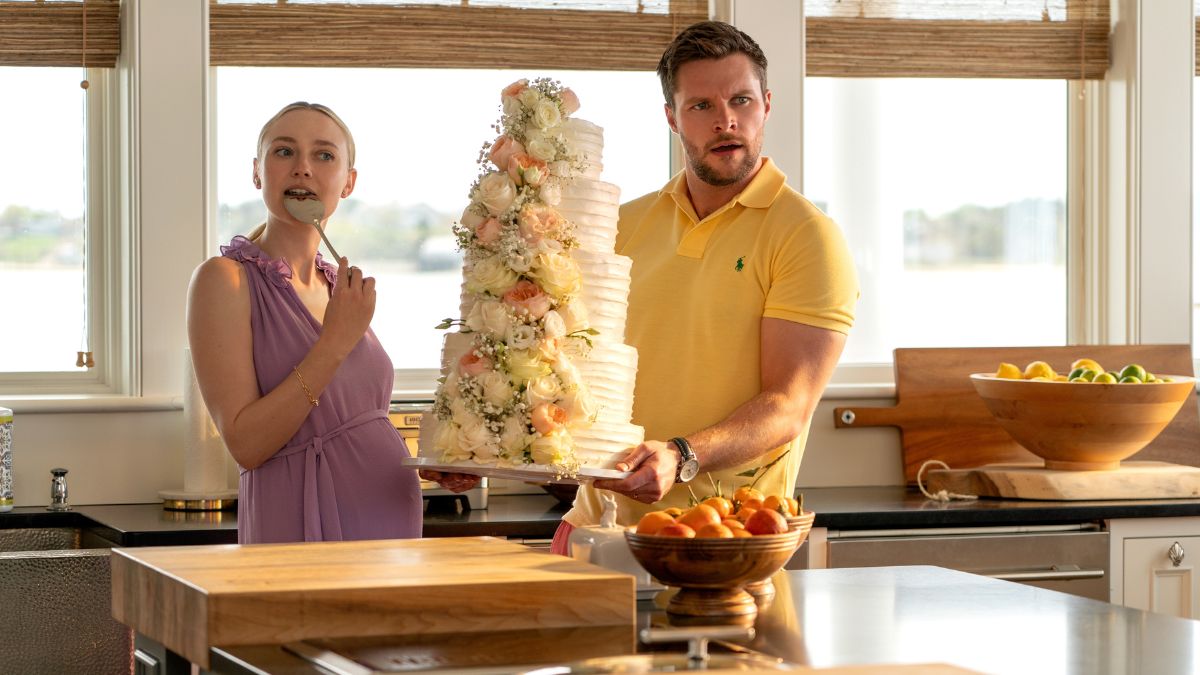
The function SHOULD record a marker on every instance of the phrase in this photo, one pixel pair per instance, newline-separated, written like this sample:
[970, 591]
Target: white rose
[579, 404]
[560, 168]
[490, 274]
[550, 449]
[530, 97]
[459, 412]
[496, 388]
[567, 373]
[451, 384]
[511, 105]
[470, 218]
[488, 317]
[474, 436]
[550, 193]
[549, 349]
[521, 262]
[541, 148]
[575, 317]
[524, 365]
[520, 336]
[544, 389]
[496, 191]
[445, 438]
[515, 436]
[553, 325]
[557, 274]
[546, 114]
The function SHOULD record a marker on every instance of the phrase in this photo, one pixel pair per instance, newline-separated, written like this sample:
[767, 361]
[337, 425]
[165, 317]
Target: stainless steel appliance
[406, 417]
[1069, 558]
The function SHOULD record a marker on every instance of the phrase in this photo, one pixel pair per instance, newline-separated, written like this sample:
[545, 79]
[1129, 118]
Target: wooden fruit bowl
[763, 589]
[710, 573]
[1085, 426]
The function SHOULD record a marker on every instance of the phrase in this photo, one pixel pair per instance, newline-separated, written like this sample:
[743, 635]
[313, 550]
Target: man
[742, 295]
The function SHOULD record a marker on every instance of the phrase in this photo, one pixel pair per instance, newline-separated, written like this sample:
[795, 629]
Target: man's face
[719, 114]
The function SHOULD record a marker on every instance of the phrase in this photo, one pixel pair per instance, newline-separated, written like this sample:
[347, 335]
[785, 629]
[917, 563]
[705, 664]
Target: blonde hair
[301, 105]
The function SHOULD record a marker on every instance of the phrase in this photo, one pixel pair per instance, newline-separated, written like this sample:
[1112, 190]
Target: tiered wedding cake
[539, 376]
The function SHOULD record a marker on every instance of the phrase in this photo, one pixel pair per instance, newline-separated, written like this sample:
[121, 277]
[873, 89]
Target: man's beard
[710, 176]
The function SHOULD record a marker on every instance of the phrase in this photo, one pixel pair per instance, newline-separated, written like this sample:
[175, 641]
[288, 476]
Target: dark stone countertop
[536, 516]
[826, 618]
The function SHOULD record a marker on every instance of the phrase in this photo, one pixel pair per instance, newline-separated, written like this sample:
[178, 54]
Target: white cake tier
[454, 345]
[593, 206]
[602, 445]
[609, 371]
[587, 142]
[429, 425]
[605, 292]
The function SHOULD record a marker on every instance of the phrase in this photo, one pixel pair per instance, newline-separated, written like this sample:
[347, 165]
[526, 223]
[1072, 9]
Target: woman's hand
[454, 482]
[350, 309]
[653, 465]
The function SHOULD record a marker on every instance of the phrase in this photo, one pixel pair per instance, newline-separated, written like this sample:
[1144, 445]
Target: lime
[1082, 373]
[1039, 369]
[1105, 378]
[1087, 363]
[1135, 371]
[1129, 379]
[1008, 371]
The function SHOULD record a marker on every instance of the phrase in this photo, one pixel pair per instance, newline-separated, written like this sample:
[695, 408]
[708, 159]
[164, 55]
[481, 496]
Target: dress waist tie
[323, 524]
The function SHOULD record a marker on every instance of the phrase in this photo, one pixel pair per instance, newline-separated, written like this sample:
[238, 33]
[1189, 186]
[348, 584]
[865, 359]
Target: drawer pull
[1176, 553]
[1056, 573]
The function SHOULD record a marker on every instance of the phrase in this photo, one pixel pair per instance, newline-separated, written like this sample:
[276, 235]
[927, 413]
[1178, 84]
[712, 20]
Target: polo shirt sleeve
[813, 280]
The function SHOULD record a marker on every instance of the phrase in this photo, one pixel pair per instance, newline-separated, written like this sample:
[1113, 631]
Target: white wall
[126, 450]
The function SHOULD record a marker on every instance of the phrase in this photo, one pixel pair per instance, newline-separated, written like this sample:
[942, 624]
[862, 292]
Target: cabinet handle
[1054, 573]
[1175, 553]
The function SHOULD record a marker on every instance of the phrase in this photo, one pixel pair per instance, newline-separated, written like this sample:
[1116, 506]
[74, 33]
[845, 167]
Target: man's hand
[454, 482]
[653, 465]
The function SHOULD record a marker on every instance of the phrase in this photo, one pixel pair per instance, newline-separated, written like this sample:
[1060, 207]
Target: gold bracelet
[307, 391]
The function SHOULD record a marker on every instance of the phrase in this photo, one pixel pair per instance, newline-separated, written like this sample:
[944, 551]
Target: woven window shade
[1050, 39]
[571, 35]
[51, 33]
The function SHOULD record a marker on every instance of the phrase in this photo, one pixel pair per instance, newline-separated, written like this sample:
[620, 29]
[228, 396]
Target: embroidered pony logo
[741, 264]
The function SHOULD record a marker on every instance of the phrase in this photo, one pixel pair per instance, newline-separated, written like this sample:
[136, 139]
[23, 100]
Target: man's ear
[670, 111]
[766, 105]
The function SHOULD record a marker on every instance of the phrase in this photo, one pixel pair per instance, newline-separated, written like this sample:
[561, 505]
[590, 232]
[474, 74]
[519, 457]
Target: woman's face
[304, 154]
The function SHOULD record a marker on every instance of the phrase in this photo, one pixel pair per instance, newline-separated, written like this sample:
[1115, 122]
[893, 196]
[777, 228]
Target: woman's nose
[302, 168]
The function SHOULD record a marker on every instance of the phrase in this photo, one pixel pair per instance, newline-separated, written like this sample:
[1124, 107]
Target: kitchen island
[836, 617]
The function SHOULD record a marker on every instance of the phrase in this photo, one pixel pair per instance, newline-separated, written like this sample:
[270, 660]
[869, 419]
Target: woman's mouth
[299, 193]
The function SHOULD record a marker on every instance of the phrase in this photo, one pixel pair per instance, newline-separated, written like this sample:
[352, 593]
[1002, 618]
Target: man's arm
[796, 362]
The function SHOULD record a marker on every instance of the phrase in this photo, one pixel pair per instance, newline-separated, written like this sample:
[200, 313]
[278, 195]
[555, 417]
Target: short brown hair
[707, 40]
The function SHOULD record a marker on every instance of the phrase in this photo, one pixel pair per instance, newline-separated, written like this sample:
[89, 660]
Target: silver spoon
[310, 210]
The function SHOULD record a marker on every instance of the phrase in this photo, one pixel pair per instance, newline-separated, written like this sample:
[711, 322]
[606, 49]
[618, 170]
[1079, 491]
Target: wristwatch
[688, 465]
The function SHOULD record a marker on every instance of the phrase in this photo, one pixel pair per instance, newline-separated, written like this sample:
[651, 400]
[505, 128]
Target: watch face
[689, 470]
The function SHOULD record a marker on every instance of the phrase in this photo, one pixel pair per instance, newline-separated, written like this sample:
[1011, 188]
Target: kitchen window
[418, 133]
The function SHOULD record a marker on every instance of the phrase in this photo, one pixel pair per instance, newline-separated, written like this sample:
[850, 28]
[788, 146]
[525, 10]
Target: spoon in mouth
[310, 210]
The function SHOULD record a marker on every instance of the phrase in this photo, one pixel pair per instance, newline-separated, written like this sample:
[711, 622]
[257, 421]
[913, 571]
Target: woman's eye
[325, 156]
[283, 152]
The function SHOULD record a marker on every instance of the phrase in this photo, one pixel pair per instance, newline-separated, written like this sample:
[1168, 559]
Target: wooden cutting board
[940, 415]
[191, 598]
[1133, 480]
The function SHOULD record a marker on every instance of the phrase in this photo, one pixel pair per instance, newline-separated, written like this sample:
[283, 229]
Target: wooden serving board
[1133, 480]
[941, 417]
[191, 598]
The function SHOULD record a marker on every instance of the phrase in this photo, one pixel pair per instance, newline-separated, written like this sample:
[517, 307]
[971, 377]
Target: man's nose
[724, 120]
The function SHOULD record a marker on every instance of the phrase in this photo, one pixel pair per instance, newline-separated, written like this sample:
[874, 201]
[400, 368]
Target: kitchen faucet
[58, 490]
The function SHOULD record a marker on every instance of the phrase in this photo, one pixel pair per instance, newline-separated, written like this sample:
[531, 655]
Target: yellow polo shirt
[699, 291]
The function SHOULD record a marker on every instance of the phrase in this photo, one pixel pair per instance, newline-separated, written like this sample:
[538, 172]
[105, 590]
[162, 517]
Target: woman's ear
[257, 180]
[353, 176]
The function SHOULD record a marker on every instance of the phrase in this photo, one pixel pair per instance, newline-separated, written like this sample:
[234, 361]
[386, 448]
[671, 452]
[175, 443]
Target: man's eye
[742, 100]
[700, 106]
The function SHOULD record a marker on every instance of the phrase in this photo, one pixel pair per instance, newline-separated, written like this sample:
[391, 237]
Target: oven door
[1069, 558]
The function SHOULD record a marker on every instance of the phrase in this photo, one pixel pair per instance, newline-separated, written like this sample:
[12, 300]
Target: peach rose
[470, 217]
[535, 222]
[547, 418]
[514, 89]
[523, 169]
[528, 297]
[503, 150]
[488, 232]
[473, 363]
[570, 101]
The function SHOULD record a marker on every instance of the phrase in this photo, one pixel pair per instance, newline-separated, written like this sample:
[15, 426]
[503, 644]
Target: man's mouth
[725, 148]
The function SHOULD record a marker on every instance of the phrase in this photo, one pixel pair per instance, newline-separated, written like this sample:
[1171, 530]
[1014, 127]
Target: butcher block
[191, 598]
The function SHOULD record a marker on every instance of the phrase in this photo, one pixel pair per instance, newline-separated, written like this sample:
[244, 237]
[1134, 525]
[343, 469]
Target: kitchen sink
[56, 591]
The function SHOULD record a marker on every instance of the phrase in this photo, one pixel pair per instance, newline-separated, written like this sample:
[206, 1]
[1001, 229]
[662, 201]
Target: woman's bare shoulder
[218, 275]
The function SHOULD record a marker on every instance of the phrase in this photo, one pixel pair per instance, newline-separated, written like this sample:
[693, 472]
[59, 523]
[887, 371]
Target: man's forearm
[756, 427]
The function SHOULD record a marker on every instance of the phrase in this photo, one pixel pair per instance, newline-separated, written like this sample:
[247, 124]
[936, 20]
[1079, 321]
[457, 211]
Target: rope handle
[941, 495]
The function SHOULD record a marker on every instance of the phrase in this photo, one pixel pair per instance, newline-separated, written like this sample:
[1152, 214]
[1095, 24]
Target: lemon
[1039, 369]
[1009, 371]
[1129, 379]
[1087, 363]
[1082, 373]
[1061, 378]
[1135, 371]
[1105, 378]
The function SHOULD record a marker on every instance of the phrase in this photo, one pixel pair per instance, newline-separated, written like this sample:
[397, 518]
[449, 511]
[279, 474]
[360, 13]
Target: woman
[293, 376]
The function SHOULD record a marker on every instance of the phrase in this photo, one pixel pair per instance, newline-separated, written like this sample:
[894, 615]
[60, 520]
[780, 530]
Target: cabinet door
[1160, 575]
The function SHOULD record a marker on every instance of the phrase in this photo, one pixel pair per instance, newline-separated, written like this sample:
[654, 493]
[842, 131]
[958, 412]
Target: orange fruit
[722, 505]
[746, 492]
[677, 530]
[654, 521]
[766, 521]
[673, 511]
[755, 503]
[733, 523]
[777, 503]
[738, 534]
[714, 531]
[744, 513]
[793, 506]
[698, 516]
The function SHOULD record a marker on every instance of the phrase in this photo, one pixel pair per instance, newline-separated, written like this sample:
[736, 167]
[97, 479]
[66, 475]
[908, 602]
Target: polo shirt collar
[759, 194]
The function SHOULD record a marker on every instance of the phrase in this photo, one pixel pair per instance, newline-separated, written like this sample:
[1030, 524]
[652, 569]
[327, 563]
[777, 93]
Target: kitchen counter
[536, 516]
[840, 617]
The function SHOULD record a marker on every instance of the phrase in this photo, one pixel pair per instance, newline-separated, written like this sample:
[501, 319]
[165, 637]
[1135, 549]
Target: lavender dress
[340, 476]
